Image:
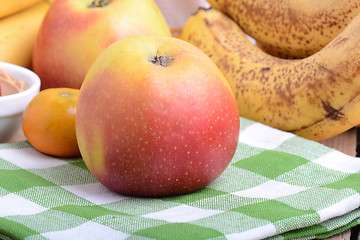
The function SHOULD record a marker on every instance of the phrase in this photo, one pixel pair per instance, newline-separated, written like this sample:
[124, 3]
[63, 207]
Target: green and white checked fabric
[278, 186]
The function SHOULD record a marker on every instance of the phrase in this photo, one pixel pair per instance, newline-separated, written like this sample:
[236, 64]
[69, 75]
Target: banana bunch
[19, 24]
[317, 97]
[290, 28]
[11, 7]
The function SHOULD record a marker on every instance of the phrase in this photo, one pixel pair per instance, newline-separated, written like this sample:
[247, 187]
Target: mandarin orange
[49, 122]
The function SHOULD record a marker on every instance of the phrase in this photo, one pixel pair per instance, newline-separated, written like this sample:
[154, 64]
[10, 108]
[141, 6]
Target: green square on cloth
[278, 186]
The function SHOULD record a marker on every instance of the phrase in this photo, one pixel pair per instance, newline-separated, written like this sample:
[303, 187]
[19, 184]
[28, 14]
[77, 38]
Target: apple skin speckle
[170, 130]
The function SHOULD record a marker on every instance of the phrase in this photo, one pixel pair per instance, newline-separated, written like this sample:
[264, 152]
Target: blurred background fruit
[18, 32]
[74, 33]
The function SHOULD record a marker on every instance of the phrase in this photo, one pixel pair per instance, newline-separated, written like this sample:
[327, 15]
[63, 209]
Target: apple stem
[162, 61]
[98, 3]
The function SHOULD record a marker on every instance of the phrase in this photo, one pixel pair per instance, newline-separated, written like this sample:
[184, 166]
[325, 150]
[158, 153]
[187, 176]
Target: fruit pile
[150, 114]
[315, 96]
[154, 115]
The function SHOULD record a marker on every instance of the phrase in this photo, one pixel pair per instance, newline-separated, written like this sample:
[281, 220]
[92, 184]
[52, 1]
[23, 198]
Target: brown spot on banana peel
[286, 26]
[315, 78]
[232, 44]
[332, 113]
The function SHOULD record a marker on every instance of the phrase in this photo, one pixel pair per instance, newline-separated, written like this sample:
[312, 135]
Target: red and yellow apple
[156, 117]
[74, 33]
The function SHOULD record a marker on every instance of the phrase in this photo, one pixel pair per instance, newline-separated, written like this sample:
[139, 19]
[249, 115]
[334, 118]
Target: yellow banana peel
[18, 33]
[9, 7]
[316, 97]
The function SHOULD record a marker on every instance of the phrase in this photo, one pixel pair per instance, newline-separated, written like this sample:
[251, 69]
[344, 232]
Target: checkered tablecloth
[278, 186]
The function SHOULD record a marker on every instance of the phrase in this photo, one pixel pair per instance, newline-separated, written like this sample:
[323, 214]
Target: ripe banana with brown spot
[317, 97]
[290, 28]
[18, 33]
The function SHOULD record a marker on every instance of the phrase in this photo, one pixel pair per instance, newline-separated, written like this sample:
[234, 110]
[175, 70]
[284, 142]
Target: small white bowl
[13, 106]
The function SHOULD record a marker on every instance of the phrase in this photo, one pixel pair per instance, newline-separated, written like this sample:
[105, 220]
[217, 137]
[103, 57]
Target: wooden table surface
[346, 143]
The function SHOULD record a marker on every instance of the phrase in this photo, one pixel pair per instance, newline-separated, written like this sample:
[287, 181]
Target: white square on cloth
[253, 234]
[182, 213]
[262, 136]
[270, 190]
[340, 162]
[87, 231]
[12, 205]
[29, 158]
[95, 193]
[340, 208]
